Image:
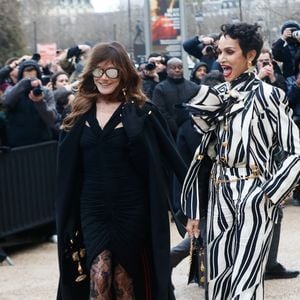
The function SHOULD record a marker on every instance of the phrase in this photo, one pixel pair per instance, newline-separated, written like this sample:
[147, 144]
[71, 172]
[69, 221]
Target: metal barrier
[27, 187]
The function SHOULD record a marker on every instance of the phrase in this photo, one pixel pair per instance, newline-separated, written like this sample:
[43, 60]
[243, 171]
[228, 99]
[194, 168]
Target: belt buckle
[254, 170]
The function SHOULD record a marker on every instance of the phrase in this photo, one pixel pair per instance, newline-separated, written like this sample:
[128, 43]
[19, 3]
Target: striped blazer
[266, 126]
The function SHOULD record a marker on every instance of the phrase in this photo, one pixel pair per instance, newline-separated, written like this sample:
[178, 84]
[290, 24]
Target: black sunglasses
[111, 73]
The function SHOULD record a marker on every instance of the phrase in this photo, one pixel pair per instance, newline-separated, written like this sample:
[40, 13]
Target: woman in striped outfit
[244, 122]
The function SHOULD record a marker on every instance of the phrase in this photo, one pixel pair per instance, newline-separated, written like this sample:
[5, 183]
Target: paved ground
[34, 274]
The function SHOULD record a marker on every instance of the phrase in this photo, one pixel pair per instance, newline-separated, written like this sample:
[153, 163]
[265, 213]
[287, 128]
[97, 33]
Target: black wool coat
[162, 159]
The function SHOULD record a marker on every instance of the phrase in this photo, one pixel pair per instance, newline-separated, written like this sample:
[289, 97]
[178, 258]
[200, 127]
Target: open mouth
[226, 71]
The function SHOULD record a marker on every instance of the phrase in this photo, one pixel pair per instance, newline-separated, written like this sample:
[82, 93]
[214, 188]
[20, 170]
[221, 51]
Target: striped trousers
[239, 235]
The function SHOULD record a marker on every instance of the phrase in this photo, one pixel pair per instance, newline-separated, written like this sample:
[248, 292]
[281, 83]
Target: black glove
[133, 119]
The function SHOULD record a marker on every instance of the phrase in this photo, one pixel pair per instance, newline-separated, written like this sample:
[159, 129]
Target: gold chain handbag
[197, 262]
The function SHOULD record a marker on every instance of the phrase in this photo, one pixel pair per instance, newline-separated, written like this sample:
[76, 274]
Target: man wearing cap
[287, 47]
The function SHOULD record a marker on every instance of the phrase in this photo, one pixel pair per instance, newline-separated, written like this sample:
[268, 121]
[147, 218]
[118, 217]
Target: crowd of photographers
[35, 97]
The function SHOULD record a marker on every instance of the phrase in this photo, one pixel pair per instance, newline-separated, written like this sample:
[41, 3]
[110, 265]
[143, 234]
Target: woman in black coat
[115, 158]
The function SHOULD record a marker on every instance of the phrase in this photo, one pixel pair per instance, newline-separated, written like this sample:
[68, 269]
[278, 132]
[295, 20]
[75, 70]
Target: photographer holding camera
[150, 79]
[158, 63]
[30, 108]
[153, 72]
[203, 48]
[287, 47]
[268, 70]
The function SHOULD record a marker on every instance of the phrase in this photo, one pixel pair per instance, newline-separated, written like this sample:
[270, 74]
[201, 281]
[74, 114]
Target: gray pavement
[34, 274]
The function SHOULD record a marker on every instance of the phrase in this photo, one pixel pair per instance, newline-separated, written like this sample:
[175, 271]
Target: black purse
[197, 262]
[76, 257]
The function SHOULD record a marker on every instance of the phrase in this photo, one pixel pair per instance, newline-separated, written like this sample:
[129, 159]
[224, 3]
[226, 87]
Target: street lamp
[34, 36]
[241, 11]
[199, 20]
[129, 28]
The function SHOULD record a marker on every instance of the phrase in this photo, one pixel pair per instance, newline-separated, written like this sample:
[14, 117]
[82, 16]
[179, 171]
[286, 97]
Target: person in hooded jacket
[30, 108]
[199, 71]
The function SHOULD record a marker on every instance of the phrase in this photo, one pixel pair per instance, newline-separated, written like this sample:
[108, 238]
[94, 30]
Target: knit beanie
[290, 24]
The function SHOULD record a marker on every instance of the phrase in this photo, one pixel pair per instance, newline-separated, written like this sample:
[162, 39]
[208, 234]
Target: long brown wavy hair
[88, 94]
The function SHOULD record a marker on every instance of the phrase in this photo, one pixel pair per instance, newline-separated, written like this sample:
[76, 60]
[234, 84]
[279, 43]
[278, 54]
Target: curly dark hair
[247, 35]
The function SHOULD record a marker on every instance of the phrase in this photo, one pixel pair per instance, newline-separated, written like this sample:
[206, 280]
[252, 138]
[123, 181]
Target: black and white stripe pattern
[239, 236]
[251, 120]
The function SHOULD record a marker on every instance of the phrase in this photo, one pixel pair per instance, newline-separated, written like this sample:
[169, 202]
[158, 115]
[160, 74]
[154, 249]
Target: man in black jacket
[173, 91]
[287, 46]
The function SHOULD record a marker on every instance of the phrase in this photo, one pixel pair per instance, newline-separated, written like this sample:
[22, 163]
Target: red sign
[47, 52]
[165, 27]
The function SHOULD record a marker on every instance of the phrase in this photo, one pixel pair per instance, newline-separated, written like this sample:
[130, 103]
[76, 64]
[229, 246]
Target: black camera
[265, 63]
[150, 66]
[209, 49]
[37, 91]
[36, 57]
[295, 33]
[45, 79]
[74, 52]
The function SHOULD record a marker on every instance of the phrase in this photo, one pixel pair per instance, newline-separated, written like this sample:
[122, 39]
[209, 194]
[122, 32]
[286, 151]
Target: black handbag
[197, 262]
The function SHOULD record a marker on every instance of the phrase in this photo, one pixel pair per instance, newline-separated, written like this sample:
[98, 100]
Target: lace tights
[106, 281]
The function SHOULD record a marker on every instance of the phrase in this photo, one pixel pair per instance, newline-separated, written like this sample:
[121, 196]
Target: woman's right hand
[192, 227]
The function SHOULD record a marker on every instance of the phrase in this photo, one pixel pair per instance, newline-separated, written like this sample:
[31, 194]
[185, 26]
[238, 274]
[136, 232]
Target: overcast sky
[106, 5]
[113, 5]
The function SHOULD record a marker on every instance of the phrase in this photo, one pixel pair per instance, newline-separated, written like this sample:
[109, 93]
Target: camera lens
[150, 66]
[209, 49]
[296, 34]
[37, 91]
[265, 63]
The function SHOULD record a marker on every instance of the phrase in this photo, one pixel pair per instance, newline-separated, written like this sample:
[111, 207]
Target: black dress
[113, 201]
